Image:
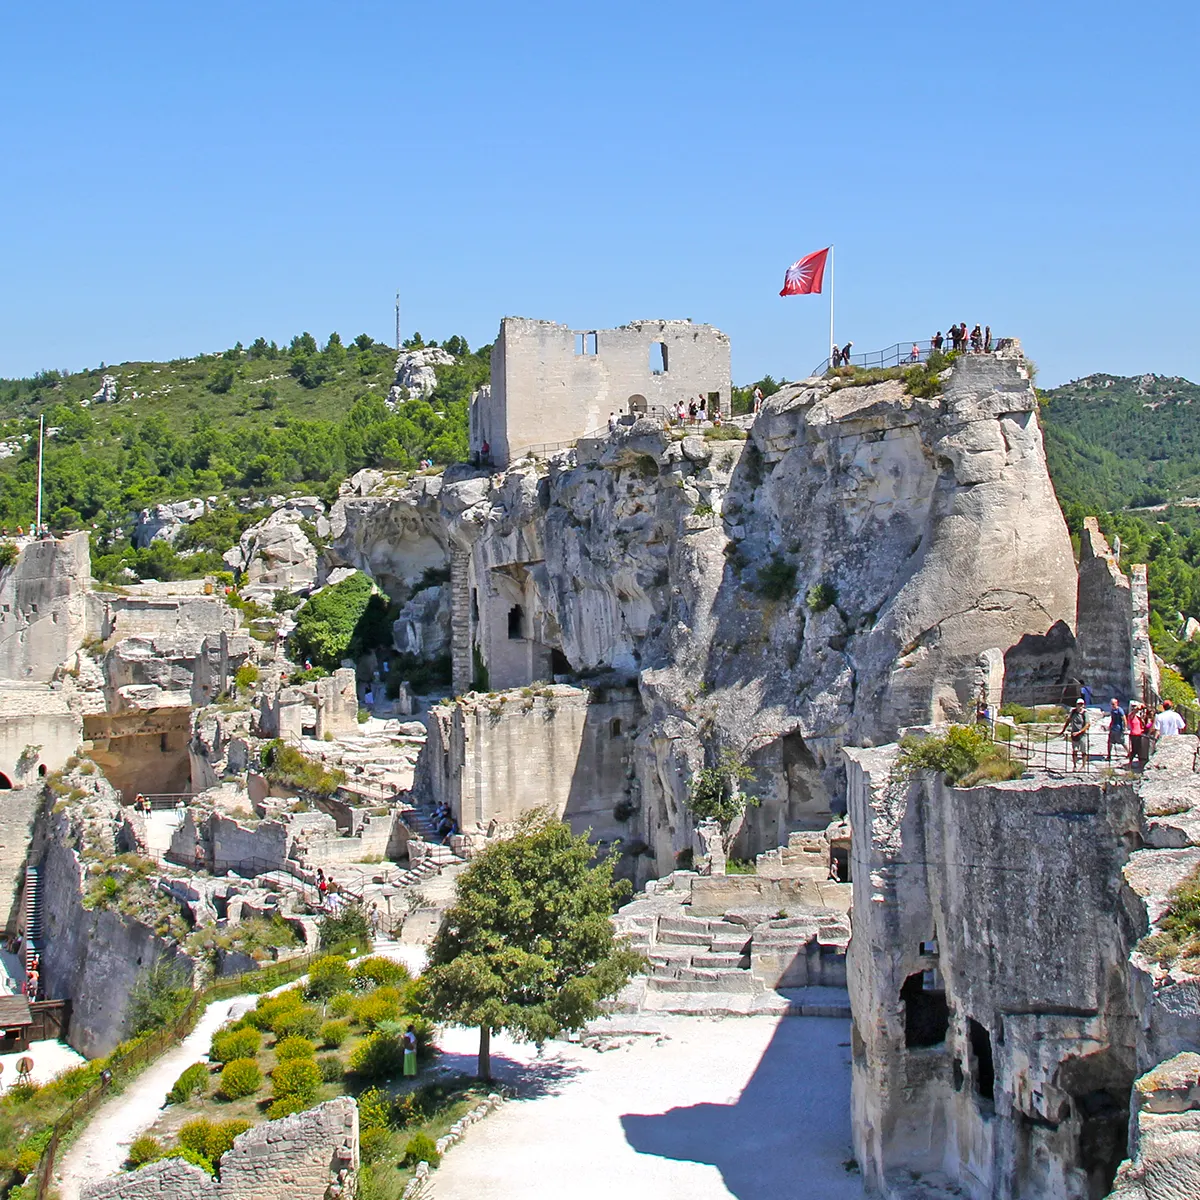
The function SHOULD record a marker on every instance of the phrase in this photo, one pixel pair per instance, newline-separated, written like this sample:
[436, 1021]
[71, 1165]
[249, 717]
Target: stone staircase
[33, 914]
[699, 954]
[421, 825]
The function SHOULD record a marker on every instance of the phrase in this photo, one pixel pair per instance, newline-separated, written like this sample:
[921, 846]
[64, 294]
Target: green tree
[715, 794]
[528, 945]
[339, 621]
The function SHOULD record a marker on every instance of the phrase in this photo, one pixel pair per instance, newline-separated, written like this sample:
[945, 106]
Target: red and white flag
[806, 276]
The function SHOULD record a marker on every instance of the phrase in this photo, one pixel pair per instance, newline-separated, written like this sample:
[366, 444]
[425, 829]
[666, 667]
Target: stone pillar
[461, 667]
[1104, 628]
[1143, 665]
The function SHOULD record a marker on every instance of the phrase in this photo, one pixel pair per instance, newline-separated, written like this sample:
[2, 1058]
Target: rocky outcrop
[416, 374]
[165, 522]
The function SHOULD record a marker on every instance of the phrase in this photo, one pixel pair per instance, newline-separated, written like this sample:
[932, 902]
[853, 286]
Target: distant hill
[253, 419]
[1115, 442]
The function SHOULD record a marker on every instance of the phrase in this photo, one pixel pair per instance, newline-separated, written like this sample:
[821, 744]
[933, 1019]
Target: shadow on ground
[789, 1132]
[527, 1080]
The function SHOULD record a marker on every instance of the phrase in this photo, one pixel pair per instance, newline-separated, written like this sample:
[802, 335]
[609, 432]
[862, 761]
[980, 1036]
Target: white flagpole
[831, 341]
[41, 436]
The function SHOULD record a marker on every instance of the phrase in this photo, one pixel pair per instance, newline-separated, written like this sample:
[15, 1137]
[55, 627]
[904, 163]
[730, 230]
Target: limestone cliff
[831, 579]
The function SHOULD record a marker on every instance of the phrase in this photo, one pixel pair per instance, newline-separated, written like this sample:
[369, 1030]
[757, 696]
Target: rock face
[415, 372]
[838, 576]
[275, 555]
[1003, 1003]
[165, 522]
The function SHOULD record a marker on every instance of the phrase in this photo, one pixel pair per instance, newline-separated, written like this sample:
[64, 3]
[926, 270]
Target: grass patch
[964, 755]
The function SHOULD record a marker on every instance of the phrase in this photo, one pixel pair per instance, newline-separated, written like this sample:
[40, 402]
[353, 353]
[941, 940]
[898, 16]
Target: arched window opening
[5, 782]
[637, 403]
[516, 623]
[658, 358]
[42, 770]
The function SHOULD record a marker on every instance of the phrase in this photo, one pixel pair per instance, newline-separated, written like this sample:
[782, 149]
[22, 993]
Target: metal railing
[902, 355]
[159, 801]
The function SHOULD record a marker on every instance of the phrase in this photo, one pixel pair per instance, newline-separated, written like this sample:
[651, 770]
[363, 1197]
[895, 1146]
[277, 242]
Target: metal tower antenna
[397, 320]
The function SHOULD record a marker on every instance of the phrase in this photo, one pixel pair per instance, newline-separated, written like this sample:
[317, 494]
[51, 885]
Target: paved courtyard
[746, 1107]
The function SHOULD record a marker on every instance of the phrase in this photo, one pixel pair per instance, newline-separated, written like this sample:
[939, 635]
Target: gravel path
[751, 1107]
[104, 1143]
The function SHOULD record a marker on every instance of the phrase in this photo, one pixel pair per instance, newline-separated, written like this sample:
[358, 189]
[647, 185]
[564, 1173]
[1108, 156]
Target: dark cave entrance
[926, 1011]
[983, 1065]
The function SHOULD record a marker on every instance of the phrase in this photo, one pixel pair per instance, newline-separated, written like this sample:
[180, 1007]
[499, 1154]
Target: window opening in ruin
[614, 727]
[981, 1052]
[42, 770]
[5, 782]
[516, 624]
[579, 343]
[839, 857]
[475, 605]
[163, 744]
[714, 402]
[658, 358]
[926, 1012]
[590, 345]
[929, 948]
[637, 403]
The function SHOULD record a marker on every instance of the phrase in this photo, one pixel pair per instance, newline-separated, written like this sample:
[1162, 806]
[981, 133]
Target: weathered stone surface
[416, 373]
[165, 522]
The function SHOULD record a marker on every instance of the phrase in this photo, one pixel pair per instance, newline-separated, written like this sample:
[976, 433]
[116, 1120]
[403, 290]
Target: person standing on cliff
[1116, 726]
[1168, 723]
[846, 353]
[987, 340]
[936, 342]
[1076, 727]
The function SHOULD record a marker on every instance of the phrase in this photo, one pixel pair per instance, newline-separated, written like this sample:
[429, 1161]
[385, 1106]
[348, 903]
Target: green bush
[241, 1077]
[159, 995]
[145, 1150]
[331, 1067]
[303, 1022]
[342, 621]
[381, 971]
[193, 1080]
[421, 1148]
[1019, 713]
[217, 1138]
[328, 976]
[777, 580]
[377, 1056]
[270, 1008]
[1182, 918]
[347, 930]
[821, 596]
[334, 1033]
[341, 1005]
[286, 1106]
[197, 1160]
[383, 1004]
[228, 1044]
[964, 754]
[1176, 689]
[285, 765]
[8, 554]
[714, 794]
[298, 1077]
[373, 1143]
[246, 677]
[294, 1047]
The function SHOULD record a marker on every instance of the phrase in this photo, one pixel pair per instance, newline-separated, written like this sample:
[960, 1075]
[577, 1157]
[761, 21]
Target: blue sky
[181, 176]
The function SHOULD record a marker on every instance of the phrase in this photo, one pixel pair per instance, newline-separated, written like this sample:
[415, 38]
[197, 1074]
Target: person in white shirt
[1168, 723]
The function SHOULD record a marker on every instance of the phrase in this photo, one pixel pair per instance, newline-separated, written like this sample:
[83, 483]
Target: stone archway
[638, 404]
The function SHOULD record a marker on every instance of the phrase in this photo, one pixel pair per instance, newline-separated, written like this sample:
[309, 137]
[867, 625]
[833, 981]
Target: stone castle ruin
[551, 384]
[619, 609]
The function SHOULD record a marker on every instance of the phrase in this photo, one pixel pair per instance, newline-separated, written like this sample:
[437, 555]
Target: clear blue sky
[179, 176]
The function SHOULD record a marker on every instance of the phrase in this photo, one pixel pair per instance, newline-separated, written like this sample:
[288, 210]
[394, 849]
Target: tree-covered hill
[1115, 443]
[257, 419]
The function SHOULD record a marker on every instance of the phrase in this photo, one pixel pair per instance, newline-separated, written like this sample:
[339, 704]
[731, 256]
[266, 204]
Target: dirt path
[104, 1143]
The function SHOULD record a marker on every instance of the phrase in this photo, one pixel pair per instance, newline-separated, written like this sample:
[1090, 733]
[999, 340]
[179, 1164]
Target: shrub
[270, 1008]
[377, 1056]
[821, 596]
[348, 930]
[383, 1004]
[8, 554]
[297, 1022]
[331, 1067]
[714, 795]
[381, 971]
[241, 1077]
[285, 765]
[1019, 713]
[159, 995]
[341, 621]
[228, 1044]
[286, 1106]
[194, 1135]
[375, 1108]
[328, 976]
[421, 1148]
[299, 1077]
[193, 1080]
[334, 1033]
[294, 1047]
[197, 1160]
[342, 1005]
[246, 677]
[373, 1143]
[1182, 918]
[777, 580]
[1176, 689]
[145, 1150]
[964, 754]
[221, 1135]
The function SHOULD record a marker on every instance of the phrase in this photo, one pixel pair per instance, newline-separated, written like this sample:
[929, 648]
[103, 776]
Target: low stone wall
[310, 1156]
[713, 895]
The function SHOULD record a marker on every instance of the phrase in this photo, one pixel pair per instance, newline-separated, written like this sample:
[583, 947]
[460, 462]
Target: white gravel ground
[747, 1107]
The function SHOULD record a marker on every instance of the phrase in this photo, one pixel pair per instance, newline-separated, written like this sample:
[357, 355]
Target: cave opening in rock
[984, 1068]
[559, 663]
[5, 782]
[516, 623]
[1099, 1086]
[926, 1011]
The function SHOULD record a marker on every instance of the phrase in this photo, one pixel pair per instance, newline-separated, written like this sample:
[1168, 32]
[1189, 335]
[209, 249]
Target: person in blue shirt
[1116, 726]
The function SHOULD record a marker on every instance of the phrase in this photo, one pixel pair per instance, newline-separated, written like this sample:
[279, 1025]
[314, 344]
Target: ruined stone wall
[45, 616]
[18, 812]
[994, 1037]
[491, 758]
[1145, 665]
[38, 732]
[542, 390]
[1104, 627]
[312, 1155]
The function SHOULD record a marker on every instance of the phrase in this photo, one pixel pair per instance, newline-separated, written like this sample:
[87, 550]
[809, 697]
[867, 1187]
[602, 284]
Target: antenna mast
[41, 438]
[397, 320]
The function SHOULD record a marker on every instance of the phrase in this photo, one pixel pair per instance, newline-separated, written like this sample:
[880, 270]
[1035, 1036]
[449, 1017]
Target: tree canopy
[528, 945]
[341, 621]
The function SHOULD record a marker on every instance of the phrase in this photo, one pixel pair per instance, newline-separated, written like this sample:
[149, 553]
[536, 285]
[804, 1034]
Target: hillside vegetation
[248, 420]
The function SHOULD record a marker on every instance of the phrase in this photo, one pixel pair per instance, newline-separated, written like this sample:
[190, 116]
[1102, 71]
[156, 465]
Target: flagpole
[831, 341]
[41, 437]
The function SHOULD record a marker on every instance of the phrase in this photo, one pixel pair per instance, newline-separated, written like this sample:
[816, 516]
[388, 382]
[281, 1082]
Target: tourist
[846, 353]
[369, 697]
[1077, 724]
[703, 407]
[1136, 722]
[612, 422]
[373, 919]
[1168, 723]
[835, 357]
[1116, 726]
[1085, 694]
[758, 399]
[987, 340]
[835, 871]
[976, 339]
[692, 413]
[914, 355]
[410, 1051]
[936, 342]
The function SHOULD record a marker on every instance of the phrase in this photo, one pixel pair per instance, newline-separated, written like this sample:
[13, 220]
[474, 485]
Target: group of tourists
[1133, 733]
[979, 340]
[839, 356]
[444, 823]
